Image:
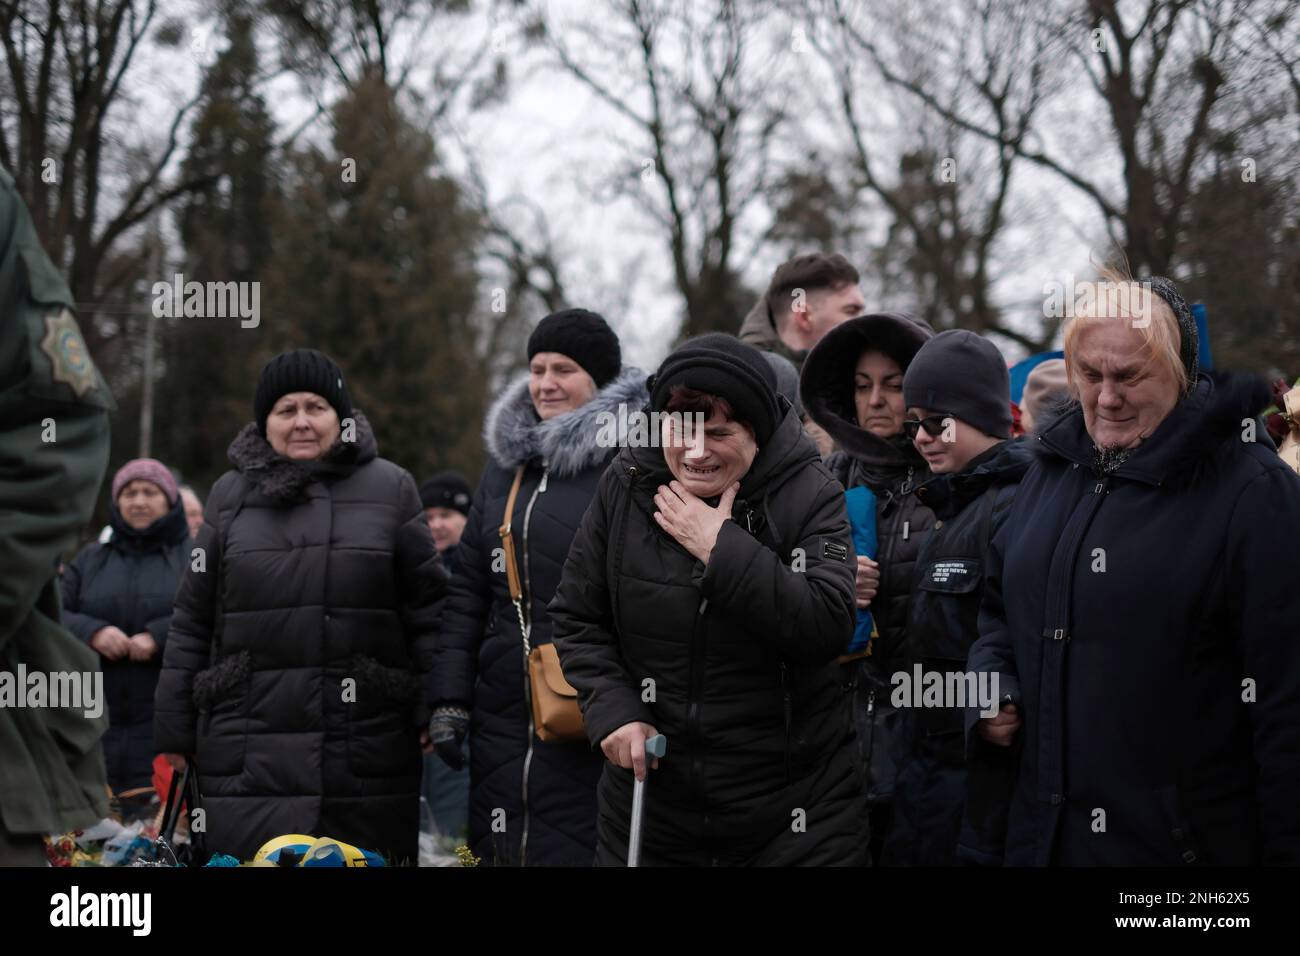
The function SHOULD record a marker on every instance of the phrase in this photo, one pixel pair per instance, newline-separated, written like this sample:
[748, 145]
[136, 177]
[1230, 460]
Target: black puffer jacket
[738, 656]
[128, 582]
[295, 658]
[547, 790]
[892, 469]
[903, 524]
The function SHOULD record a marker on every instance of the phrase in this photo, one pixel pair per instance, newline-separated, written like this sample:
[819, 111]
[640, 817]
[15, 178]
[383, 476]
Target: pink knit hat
[146, 469]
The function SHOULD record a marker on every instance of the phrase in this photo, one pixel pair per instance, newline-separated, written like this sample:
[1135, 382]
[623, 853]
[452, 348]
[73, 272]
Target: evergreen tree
[211, 364]
[375, 266]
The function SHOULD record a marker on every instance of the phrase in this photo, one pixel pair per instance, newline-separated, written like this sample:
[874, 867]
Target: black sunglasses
[934, 425]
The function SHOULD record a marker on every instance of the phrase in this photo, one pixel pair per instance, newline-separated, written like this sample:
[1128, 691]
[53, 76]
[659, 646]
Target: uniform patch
[945, 572]
[833, 549]
[69, 358]
[952, 576]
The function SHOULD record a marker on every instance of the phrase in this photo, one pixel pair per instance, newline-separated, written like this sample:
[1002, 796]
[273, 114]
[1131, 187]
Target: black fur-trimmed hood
[1212, 413]
[568, 443]
[826, 385]
[284, 479]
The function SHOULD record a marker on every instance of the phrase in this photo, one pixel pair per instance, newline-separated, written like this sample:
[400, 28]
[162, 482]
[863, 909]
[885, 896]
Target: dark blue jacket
[128, 582]
[969, 507]
[1147, 625]
[450, 559]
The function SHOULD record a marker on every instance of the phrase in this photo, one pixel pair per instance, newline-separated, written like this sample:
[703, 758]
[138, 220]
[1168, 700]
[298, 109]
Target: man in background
[446, 500]
[808, 296]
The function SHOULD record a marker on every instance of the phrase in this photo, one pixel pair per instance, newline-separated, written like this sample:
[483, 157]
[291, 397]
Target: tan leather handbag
[555, 703]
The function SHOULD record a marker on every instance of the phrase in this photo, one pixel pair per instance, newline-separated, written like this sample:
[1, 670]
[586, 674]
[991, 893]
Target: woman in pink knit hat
[117, 597]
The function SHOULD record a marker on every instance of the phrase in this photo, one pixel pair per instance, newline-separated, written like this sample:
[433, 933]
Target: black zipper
[871, 728]
[788, 709]
[1099, 492]
[896, 498]
[886, 561]
[696, 692]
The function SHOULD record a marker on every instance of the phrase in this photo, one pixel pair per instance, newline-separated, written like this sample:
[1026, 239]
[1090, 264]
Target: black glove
[447, 729]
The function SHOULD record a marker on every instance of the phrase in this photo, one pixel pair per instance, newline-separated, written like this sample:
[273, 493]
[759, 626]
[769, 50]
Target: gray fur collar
[568, 442]
[284, 480]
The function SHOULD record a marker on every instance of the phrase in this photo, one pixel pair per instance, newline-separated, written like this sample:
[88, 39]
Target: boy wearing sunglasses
[958, 417]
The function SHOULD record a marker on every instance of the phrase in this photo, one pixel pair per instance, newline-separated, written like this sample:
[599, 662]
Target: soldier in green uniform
[54, 437]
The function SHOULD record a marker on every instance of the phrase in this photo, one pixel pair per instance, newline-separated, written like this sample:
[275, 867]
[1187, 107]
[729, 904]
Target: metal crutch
[656, 746]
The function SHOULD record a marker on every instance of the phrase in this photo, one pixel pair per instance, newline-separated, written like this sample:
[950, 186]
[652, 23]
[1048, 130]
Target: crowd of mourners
[831, 507]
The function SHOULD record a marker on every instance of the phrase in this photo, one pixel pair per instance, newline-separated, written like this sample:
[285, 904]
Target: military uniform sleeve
[53, 422]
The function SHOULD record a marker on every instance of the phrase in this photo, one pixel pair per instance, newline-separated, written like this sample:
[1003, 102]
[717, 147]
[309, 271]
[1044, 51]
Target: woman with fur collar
[531, 802]
[303, 628]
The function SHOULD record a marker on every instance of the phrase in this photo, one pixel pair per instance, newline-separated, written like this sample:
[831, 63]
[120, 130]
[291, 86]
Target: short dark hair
[815, 270]
[691, 401]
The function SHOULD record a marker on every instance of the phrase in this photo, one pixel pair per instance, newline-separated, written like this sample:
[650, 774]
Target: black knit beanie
[964, 375]
[1189, 342]
[302, 370]
[584, 337]
[446, 489]
[722, 365]
[787, 379]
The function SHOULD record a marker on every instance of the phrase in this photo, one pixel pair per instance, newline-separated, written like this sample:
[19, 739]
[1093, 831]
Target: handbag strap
[177, 790]
[183, 789]
[508, 545]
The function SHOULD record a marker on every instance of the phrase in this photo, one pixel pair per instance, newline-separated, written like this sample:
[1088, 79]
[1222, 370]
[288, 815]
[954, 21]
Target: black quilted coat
[296, 654]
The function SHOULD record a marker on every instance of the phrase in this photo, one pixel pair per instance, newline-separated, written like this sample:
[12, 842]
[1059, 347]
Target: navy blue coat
[970, 508]
[128, 582]
[1146, 624]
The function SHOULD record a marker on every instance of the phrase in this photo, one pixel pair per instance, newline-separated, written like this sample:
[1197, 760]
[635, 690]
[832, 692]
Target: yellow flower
[466, 857]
